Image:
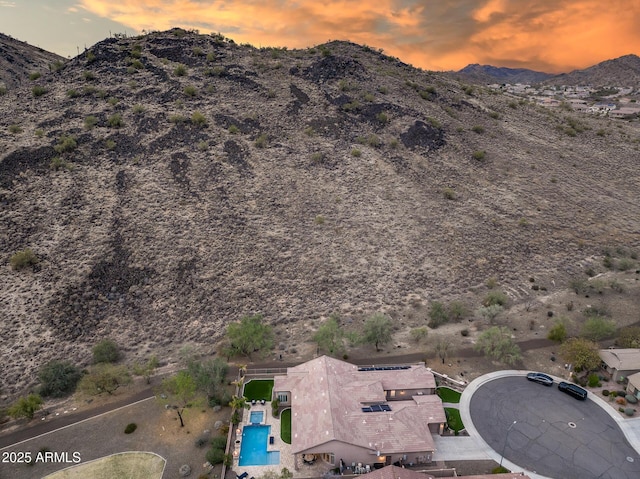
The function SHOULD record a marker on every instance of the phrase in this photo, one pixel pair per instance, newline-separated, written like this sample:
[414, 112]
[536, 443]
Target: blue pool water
[253, 451]
[256, 417]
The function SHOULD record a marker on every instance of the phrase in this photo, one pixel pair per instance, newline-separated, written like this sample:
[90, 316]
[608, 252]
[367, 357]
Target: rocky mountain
[622, 71]
[19, 60]
[171, 183]
[486, 74]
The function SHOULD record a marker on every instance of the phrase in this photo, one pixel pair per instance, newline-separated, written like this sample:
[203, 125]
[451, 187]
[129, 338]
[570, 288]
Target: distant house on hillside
[620, 363]
[345, 415]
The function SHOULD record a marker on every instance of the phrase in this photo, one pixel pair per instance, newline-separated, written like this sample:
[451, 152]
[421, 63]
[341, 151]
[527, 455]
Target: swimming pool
[253, 451]
[256, 417]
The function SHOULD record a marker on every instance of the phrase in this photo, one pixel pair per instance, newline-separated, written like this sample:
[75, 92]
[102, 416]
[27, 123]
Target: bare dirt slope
[333, 179]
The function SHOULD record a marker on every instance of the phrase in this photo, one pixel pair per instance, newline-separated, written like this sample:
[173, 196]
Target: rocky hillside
[487, 74]
[171, 183]
[19, 61]
[622, 71]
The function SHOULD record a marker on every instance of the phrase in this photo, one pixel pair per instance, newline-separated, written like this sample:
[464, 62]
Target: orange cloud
[434, 34]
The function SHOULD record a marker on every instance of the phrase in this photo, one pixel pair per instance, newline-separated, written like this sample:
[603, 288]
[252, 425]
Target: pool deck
[286, 454]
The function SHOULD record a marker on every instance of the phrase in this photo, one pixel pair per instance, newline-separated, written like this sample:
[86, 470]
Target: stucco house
[633, 387]
[352, 417]
[620, 363]
[394, 472]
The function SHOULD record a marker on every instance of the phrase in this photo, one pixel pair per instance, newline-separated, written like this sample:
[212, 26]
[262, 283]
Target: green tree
[582, 353]
[183, 390]
[629, 337]
[146, 369]
[249, 335]
[25, 407]
[596, 328]
[239, 403]
[377, 330]
[104, 378]
[558, 332]
[209, 376]
[58, 378]
[418, 334]
[437, 315]
[496, 343]
[330, 337]
[106, 351]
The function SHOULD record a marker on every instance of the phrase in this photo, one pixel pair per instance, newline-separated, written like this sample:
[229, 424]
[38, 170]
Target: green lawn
[448, 395]
[258, 389]
[285, 426]
[453, 419]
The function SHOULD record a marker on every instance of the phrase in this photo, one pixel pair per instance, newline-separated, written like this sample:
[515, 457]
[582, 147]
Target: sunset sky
[547, 35]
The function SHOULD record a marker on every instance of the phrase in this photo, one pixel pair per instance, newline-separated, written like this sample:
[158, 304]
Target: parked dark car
[573, 390]
[540, 378]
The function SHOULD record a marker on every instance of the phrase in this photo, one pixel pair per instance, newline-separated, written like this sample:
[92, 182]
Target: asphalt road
[554, 434]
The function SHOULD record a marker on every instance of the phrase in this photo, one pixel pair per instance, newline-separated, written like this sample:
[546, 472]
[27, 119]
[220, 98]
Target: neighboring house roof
[626, 359]
[327, 397]
[395, 472]
[634, 380]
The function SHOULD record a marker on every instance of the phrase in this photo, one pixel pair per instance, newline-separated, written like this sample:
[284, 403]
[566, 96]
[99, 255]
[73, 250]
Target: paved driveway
[554, 435]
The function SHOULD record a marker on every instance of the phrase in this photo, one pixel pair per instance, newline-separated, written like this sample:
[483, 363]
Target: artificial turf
[454, 420]
[285, 426]
[258, 389]
[448, 395]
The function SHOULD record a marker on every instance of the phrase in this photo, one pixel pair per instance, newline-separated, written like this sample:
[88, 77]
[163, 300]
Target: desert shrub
[58, 378]
[109, 144]
[464, 332]
[201, 441]
[418, 334]
[382, 117]
[112, 101]
[23, 259]
[39, 132]
[261, 141]
[132, 426]
[449, 194]
[631, 399]
[66, 143]
[437, 315]
[58, 163]
[34, 76]
[190, 90]
[495, 298]
[373, 140]
[115, 120]
[317, 157]
[558, 332]
[138, 108]
[15, 129]
[203, 145]
[626, 264]
[351, 106]
[319, 220]
[219, 442]
[224, 430]
[38, 91]
[233, 129]
[593, 381]
[106, 351]
[629, 411]
[215, 456]
[499, 470]
[235, 418]
[177, 119]
[356, 153]
[3, 90]
[73, 93]
[620, 400]
[198, 119]
[596, 328]
[479, 155]
[135, 64]
[180, 70]
[90, 122]
[89, 75]
[478, 129]
[629, 337]
[605, 392]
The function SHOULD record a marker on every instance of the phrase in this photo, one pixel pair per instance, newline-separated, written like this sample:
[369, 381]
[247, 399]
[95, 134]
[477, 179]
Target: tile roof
[327, 396]
[395, 472]
[623, 359]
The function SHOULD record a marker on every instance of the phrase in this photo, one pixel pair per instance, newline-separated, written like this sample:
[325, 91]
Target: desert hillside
[171, 183]
[21, 62]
